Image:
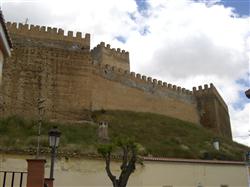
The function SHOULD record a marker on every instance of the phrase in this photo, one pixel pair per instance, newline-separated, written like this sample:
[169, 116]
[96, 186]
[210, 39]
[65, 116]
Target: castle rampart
[74, 80]
[113, 89]
[43, 32]
[111, 71]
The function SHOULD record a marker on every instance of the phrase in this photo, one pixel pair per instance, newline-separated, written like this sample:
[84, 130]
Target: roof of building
[197, 161]
[2, 21]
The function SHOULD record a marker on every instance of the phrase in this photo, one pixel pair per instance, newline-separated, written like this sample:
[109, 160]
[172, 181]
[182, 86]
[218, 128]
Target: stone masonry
[75, 80]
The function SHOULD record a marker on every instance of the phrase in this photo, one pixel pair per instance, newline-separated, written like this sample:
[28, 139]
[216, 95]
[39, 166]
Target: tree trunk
[127, 167]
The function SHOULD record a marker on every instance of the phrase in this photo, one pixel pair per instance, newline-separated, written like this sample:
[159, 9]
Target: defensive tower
[213, 110]
[118, 58]
[49, 65]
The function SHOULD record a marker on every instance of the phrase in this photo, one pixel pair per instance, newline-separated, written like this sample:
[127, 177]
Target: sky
[183, 42]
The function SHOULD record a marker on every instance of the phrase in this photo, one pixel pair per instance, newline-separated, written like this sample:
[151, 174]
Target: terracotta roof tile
[162, 159]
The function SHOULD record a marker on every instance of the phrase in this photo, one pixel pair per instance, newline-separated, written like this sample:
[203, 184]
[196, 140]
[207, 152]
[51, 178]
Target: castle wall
[62, 73]
[118, 89]
[213, 110]
[56, 71]
[73, 80]
[102, 54]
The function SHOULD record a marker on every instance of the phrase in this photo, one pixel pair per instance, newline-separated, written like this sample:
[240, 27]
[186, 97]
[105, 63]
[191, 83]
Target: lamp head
[54, 137]
[248, 93]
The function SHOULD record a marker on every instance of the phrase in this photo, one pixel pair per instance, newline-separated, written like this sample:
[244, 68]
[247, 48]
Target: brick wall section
[49, 182]
[36, 170]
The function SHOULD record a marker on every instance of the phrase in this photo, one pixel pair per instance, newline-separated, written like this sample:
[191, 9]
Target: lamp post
[248, 93]
[248, 153]
[247, 159]
[54, 138]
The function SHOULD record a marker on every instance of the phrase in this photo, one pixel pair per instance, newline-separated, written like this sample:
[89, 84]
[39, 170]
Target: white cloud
[187, 43]
[241, 120]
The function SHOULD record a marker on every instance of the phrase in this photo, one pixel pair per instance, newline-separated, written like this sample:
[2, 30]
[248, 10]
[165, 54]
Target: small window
[223, 185]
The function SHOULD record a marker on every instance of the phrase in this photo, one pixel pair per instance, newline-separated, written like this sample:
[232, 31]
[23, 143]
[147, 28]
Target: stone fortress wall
[74, 80]
[55, 68]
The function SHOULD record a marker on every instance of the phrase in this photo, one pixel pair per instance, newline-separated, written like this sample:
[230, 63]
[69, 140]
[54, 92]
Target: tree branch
[107, 159]
[125, 157]
[130, 167]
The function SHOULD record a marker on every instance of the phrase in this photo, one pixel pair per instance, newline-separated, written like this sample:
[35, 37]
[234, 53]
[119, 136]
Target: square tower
[118, 58]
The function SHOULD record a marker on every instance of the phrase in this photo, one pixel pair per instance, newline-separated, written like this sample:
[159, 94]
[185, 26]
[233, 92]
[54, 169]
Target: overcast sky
[188, 43]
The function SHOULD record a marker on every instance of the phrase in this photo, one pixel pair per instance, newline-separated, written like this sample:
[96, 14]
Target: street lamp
[54, 138]
[247, 159]
[248, 93]
[248, 153]
[216, 144]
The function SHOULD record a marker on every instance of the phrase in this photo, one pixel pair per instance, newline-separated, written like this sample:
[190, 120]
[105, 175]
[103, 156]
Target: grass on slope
[169, 137]
[159, 135]
[18, 134]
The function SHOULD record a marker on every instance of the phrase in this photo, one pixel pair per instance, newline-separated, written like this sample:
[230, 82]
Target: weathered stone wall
[118, 89]
[56, 70]
[213, 110]
[63, 74]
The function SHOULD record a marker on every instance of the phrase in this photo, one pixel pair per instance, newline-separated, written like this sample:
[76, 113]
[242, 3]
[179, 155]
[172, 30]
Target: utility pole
[40, 106]
[40, 113]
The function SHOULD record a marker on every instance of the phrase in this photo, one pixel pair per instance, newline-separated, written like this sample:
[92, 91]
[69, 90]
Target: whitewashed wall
[91, 173]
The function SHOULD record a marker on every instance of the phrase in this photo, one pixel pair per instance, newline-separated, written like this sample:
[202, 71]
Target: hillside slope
[158, 135]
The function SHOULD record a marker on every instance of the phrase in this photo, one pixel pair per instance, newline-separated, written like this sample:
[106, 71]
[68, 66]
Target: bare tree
[129, 159]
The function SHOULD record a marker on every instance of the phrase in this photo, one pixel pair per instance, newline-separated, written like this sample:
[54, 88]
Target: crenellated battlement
[203, 90]
[143, 79]
[116, 52]
[104, 54]
[43, 32]
[209, 90]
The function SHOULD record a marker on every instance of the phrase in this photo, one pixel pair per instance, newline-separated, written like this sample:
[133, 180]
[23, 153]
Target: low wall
[72, 172]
